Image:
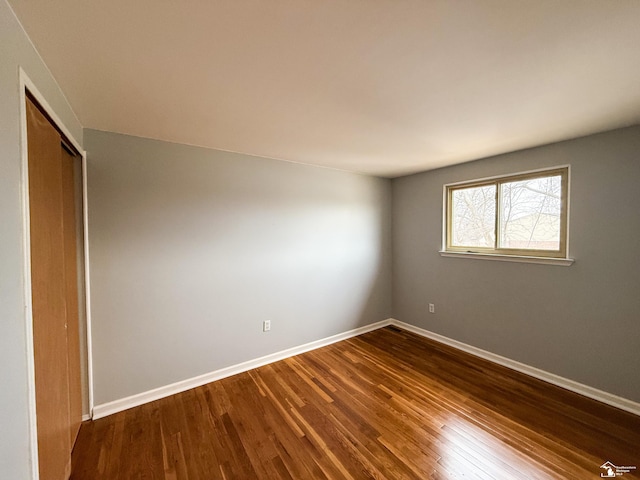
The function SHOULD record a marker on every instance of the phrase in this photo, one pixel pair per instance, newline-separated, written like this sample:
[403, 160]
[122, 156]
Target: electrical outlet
[266, 325]
[432, 308]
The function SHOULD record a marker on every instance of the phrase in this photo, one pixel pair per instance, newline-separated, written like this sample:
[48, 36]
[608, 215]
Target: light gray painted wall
[15, 51]
[581, 322]
[191, 249]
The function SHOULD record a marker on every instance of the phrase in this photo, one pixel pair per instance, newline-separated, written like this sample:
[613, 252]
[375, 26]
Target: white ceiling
[384, 87]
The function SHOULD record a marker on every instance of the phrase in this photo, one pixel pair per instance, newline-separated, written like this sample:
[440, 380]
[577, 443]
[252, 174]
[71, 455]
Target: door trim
[25, 83]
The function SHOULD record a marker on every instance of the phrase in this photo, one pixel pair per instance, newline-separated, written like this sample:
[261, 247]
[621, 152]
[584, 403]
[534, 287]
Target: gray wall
[581, 322]
[16, 51]
[191, 249]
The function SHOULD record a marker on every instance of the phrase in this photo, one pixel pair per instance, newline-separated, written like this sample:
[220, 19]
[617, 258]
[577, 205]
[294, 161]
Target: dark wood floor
[385, 405]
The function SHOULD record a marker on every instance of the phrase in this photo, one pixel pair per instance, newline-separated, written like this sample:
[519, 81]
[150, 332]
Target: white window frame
[555, 257]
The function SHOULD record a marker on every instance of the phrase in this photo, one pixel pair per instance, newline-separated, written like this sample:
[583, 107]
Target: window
[517, 215]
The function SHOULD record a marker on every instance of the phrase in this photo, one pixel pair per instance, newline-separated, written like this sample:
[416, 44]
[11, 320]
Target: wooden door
[55, 307]
[71, 285]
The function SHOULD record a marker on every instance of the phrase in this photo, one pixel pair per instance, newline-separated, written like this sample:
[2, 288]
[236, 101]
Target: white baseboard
[116, 406]
[587, 391]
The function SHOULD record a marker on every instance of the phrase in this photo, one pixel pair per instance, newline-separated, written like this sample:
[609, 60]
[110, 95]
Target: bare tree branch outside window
[524, 211]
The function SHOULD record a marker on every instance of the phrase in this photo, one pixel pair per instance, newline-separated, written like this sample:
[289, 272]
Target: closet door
[49, 296]
[71, 285]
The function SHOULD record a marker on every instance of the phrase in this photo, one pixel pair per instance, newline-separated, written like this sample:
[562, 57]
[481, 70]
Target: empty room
[359, 239]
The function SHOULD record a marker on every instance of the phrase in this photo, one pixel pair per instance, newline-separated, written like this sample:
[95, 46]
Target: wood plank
[385, 405]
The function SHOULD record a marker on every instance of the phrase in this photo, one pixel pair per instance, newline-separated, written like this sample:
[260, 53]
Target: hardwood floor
[385, 405]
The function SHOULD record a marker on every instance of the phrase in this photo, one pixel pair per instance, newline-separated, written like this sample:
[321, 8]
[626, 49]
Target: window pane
[473, 217]
[530, 216]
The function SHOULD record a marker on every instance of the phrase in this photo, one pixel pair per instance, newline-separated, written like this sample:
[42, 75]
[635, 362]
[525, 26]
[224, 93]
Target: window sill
[565, 262]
